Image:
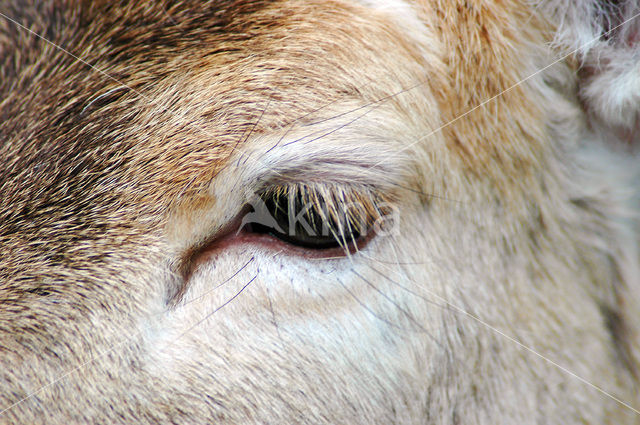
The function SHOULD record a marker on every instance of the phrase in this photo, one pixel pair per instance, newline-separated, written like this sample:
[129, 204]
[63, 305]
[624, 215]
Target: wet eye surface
[312, 218]
[298, 223]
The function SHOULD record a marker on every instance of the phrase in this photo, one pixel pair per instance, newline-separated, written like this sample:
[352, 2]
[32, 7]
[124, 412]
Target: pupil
[300, 223]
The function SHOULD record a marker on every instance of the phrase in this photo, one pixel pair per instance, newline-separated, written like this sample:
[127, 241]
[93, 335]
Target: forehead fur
[490, 105]
[180, 85]
[166, 92]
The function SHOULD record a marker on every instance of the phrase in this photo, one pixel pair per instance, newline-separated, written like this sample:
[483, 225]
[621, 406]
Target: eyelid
[374, 203]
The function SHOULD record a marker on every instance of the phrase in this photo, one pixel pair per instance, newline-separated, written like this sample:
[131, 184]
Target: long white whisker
[128, 339]
[462, 311]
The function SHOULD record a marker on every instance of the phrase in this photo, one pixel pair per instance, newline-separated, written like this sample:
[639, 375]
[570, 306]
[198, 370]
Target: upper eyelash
[351, 205]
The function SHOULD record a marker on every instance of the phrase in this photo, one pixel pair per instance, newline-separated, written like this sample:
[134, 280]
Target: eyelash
[315, 217]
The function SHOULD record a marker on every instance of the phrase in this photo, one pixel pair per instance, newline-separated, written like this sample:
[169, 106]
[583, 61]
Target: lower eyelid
[238, 239]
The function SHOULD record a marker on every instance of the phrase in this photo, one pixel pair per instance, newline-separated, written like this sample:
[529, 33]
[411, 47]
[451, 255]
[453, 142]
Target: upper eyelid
[350, 157]
[320, 173]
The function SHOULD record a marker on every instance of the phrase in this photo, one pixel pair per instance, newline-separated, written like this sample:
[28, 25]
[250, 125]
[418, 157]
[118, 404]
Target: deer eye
[308, 219]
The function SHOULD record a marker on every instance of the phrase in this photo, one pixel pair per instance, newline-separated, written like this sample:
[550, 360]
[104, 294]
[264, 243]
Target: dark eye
[304, 221]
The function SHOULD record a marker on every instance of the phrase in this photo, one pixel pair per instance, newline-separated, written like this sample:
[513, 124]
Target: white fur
[606, 43]
[488, 305]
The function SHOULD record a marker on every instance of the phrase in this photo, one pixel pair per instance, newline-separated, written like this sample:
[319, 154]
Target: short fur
[504, 134]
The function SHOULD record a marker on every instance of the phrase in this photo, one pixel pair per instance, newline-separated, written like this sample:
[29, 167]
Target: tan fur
[509, 292]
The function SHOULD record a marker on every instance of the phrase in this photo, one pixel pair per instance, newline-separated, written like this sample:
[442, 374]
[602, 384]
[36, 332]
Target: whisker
[392, 301]
[395, 263]
[381, 100]
[302, 117]
[273, 316]
[374, 105]
[107, 93]
[220, 307]
[219, 285]
[409, 290]
[251, 131]
[111, 349]
[340, 127]
[508, 89]
[427, 195]
[421, 329]
[366, 307]
[326, 133]
[166, 12]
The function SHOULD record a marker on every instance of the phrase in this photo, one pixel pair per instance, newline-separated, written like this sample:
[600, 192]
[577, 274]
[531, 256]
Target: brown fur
[113, 164]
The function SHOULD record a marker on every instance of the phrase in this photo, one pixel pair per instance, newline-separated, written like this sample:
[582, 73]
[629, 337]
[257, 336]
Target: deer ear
[605, 36]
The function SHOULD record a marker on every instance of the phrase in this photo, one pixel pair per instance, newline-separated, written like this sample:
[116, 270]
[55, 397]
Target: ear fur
[605, 37]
